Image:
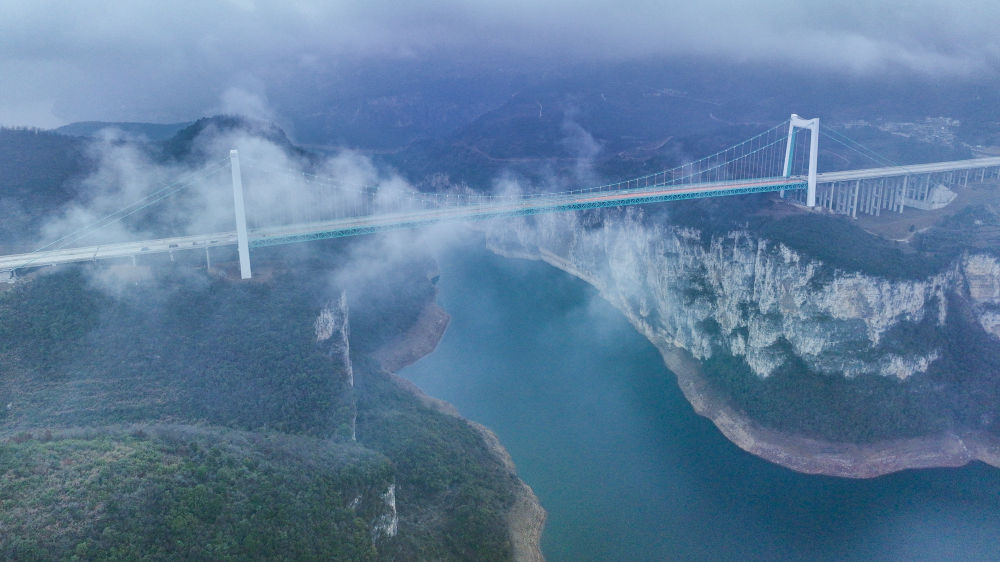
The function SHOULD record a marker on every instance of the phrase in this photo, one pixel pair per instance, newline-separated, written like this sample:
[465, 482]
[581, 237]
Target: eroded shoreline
[796, 452]
[526, 518]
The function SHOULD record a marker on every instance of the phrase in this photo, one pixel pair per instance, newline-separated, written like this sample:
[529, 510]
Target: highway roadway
[364, 225]
[914, 169]
[526, 206]
[117, 250]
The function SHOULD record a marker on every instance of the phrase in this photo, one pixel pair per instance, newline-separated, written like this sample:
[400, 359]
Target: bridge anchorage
[315, 207]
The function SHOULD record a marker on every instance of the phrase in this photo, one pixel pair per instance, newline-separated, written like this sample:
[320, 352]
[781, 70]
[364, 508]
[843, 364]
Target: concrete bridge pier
[898, 200]
[854, 199]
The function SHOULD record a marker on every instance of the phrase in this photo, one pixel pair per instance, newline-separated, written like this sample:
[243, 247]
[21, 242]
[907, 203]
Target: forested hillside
[168, 411]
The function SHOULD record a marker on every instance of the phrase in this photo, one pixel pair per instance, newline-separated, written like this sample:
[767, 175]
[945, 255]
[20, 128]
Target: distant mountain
[596, 130]
[37, 172]
[181, 145]
[41, 171]
[384, 106]
[148, 131]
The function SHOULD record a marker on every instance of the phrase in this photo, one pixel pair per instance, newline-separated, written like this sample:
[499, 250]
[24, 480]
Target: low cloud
[157, 199]
[247, 103]
[585, 149]
[172, 61]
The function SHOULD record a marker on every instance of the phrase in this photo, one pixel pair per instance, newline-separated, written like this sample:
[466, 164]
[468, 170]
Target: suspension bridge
[282, 204]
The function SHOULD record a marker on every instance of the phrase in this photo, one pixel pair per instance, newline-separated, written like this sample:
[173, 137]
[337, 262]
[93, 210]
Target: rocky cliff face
[749, 296]
[740, 294]
[981, 275]
[524, 519]
[332, 329]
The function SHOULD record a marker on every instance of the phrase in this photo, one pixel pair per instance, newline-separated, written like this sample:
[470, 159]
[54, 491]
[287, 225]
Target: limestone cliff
[740, 294]
[981, 275]
[333, 330]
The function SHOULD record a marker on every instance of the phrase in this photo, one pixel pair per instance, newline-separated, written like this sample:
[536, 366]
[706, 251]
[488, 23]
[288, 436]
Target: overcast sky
[64, 61]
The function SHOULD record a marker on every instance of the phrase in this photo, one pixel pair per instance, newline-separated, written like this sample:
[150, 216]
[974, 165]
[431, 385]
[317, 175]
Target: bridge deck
[541, 203]
[890, 171]
[363, 225]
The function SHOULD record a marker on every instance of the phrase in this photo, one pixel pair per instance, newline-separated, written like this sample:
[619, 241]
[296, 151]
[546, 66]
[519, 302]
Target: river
[627, 471]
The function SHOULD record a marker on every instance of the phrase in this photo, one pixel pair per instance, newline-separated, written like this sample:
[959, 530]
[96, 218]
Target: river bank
[625, 467]
[799, 453]
[526, 518]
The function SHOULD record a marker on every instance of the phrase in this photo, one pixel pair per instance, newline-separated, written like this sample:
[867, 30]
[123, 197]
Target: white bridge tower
[242, 241]
[796, 122]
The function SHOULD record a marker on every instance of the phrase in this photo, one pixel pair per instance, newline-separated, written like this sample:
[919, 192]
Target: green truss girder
[555, 206]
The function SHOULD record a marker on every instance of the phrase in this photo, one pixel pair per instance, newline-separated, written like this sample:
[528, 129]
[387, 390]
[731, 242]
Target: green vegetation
[243, 442]
[37, 165]
[37, 168]
[835, 240]
[385, 309]
[975, 227]
[45, 322]
[839, 243]
[439, 462]
[182, 493]
[150, 131]
[241, 355]
[828, 406]
[711, 216]
[967, 377]
[961, 390]
[190, 417]
[892, 148]
[183, 146]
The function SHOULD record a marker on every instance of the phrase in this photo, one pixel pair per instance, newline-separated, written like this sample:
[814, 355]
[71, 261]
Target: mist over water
[627, 470]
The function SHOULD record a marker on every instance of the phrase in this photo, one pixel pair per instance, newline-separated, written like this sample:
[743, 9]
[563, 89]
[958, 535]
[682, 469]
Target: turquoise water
[626, 469]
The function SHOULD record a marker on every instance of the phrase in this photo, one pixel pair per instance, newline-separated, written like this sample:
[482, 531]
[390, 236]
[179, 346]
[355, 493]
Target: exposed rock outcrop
[526, 518]
[387, 523]
[421, 339]
[982, 278]
[332, 328]
[736, 292]
[761, 301]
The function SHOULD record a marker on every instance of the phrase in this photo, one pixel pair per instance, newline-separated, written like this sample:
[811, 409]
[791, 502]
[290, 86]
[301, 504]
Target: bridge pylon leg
[796, 122]
[242, 240]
